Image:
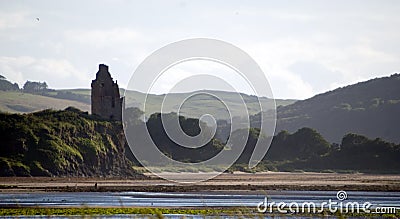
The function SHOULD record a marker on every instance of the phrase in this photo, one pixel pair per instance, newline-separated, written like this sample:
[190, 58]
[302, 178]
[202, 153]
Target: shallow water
[204, 199]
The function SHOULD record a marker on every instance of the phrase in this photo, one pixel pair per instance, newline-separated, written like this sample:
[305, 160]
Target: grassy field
[19, 102]
[156, 212]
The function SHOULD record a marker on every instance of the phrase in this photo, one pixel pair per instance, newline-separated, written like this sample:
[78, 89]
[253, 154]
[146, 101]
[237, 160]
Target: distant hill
[200, 104]
[21, 102]
[370, 108]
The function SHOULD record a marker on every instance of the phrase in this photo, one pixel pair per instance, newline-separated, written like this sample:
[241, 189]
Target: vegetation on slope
[73, 143]
[303, 150]
[369, 108]
[20, 102]
[6, 85]
[61, 143]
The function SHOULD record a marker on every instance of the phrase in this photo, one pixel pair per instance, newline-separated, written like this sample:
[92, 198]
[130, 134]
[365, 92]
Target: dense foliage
[35, 87]
[61, 143]
[6, 85]
[164, 143]
[73, 143]
[307, 150]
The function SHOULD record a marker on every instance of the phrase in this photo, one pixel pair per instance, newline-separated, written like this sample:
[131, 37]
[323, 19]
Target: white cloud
[350, 63]
[59, 68]
[353, 40]
[209, 75]
[275, 58]
[11, 67]
[56, 72]
[19, 19]
[104, 38]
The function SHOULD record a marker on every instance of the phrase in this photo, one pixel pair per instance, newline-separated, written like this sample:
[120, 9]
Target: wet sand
[237, 182]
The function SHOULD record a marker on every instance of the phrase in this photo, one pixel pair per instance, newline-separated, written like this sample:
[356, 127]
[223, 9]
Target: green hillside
[20, 102]
[369, 108]
[73, 143]
[62, 143]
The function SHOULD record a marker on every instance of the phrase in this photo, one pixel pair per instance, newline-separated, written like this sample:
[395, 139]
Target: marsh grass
[242, 212]
[44, 211]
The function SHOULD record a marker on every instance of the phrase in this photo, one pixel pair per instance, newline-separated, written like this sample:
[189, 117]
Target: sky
[303, 47]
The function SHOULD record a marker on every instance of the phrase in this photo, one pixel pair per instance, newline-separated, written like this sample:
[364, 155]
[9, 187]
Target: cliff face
[62, 143]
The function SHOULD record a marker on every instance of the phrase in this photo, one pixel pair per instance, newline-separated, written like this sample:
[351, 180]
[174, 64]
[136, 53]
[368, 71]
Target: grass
[121, 210]
[19, 102]
[159, 212]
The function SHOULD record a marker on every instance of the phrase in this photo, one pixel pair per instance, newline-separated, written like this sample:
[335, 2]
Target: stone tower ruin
[106, 101]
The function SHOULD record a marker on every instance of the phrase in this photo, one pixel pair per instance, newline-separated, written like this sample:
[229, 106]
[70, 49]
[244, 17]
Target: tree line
[304, 150]
[29, 86]
[72, 143]
[41, 88]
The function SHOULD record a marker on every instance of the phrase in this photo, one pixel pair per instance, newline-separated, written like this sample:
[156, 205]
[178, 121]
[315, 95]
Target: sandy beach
[245, 182]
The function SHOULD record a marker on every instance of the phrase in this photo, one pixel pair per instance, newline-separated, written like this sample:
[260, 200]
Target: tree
[35, 87]
[6, 85]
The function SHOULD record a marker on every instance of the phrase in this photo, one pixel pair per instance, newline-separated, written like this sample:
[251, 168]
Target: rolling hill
[55, 143]
[370, 108]
[21, 102]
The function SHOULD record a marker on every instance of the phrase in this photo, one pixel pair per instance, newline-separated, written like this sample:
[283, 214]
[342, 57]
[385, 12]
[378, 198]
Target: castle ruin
[106, 101]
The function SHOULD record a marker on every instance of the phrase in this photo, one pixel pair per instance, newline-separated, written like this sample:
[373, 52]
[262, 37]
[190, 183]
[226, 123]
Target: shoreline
[237, 182]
